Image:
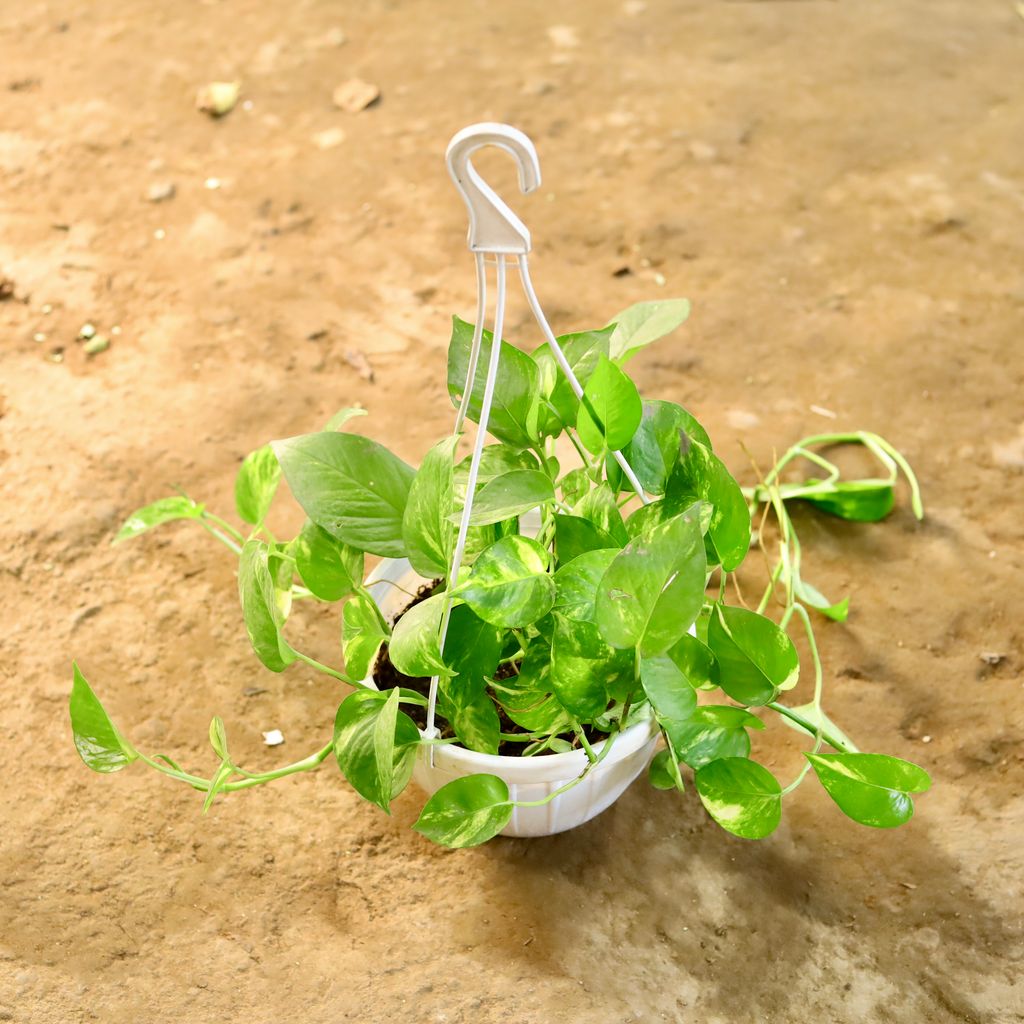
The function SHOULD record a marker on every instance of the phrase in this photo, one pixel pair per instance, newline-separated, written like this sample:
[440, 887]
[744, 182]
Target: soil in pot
[386, 676]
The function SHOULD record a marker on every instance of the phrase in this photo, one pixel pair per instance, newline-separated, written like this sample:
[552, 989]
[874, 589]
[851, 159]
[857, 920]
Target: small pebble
[218, 98]
[992, 658]
[159, 234]
[95, 345]
[86, 331]
[39, 336]
[273, 738]
[926, 739]
[329, 138]
[161, 191]
[355, 95]
[48, 308]
[212, 184]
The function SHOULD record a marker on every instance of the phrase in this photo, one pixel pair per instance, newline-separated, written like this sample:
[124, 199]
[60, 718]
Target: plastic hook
[493, 227]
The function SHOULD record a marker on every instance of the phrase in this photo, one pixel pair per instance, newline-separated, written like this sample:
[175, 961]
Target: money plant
[581, 608]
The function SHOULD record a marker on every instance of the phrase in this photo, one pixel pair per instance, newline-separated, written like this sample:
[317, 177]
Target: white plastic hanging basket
[495, 232]
[528, 778]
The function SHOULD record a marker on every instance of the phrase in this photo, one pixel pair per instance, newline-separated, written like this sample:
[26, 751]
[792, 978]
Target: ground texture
[838, 187]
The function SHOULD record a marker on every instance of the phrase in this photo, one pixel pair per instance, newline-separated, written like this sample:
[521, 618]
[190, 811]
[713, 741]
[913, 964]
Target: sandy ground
[838, 187]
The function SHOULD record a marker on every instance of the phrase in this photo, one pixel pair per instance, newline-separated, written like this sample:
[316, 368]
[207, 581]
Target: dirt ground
[838, 187]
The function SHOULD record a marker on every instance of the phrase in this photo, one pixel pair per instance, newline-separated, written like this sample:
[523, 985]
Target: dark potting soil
[386, 676]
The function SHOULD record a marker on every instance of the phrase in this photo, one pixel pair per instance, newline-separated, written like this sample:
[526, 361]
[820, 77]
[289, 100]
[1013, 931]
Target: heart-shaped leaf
[575, 536]
[509, 584]
[671, 696]
[610, 410]
[363, 630]
[97, 740]
[509, 495]
[265, 603]
[599, 506]
[741, 795]
[576, 583]
[643, 323]
[755, 657]
[582, 351]
[696, 662]
[375, 745]
[351, 486]
[701, 475]
[861, 501]
[651, 593]
[660, 773]
[427, 533]
[414, 646]
[873, 789]
[477, 725]
[585, 669]
[330, 568]
[515, 390]
[659, 439]
[256, 484]
[713, 731]
[164, 510]
[466, 811]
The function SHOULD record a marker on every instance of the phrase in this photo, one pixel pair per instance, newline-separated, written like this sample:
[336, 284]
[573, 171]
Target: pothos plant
[560, 636]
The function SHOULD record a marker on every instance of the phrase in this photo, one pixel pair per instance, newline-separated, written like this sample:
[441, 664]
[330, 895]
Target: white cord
[474, 464]
[531, 297]
[478, 333]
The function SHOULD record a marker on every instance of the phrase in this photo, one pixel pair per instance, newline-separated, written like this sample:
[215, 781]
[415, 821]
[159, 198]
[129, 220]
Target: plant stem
[591, 765]
[225, 526]
[326, 669]
[227, 541]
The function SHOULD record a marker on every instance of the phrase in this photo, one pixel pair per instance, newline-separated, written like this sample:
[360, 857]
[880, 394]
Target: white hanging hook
[493, 227]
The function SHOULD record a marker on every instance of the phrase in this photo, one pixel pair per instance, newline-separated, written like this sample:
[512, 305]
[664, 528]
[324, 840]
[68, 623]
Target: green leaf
[219, 737]
[576, 583]
[696, 662]
[162, 511]
[342, 416]
[659, 771]
[643, 323]
[755, 657]
[814, 598]
[509, 584]
[663, 433]
[741, 795]
[584, 669]
[414, 646]
[495, 460]
[351, 486]
[575, 535]
[363, 630]
[509, 495]
[598, 506]
[815, 718]
[472, 648]
[330, 568]
[575, 484]
[220, 778]
[265, 605]
[653, 590]
[515, 390]
[700, 474]
[97, 740]
[466, 812]
[256, 484]
[369, 725]
[426, 532]
[671, 696]
[582, 351]
[527, 697]
[610, 411]
[713, 731]
[861, 501]
[873, 789]
[477, 725]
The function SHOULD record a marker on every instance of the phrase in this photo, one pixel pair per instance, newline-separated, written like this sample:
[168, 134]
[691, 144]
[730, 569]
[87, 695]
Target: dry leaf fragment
[161, 191]
[355, 95]
[358, 361]
[218, 98]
